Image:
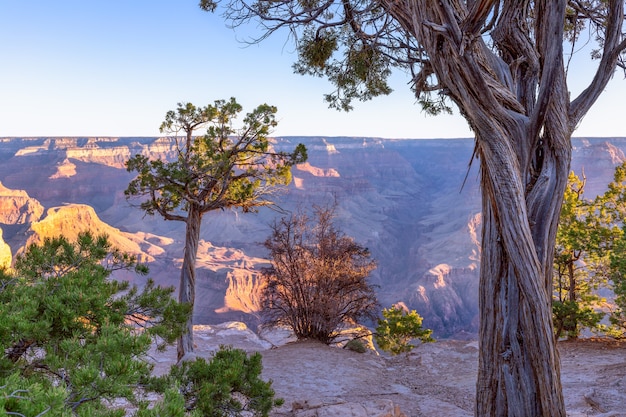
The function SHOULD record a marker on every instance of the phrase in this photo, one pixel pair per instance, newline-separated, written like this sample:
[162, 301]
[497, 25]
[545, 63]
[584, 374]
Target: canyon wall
[414, 203]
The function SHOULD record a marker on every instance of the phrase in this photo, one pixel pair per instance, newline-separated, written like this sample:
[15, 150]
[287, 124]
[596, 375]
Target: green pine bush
[227, 385]
[71, 337]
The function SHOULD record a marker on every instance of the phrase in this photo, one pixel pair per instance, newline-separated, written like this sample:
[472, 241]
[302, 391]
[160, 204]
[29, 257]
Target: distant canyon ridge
[414, 203]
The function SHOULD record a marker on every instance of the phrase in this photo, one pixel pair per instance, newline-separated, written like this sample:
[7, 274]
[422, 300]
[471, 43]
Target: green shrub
[356, 345]
[395, 332]
[226, 386]
[569, 317]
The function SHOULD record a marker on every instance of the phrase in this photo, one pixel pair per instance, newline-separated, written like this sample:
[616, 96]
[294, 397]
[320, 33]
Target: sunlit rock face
[72, 219]
[415, 204]
[448, 298]
[6, 257]
[16, 207]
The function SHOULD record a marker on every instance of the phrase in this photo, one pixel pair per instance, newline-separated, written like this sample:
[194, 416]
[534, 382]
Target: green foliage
[23, 397]
[581, 261]
[223, 168]
[618, 268]
[612, 207]
[395, 332]
[153, 309]
[570, 316]
[318, 280]
[228, 385]
[71, 337]
[208, 5]
[315, 50]
[590, 247]
[172, 405]
[361, 72]
[356, 345]
[434, 104]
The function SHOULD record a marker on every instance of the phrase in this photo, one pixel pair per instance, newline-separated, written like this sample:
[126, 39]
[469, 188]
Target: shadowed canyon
[414, 203]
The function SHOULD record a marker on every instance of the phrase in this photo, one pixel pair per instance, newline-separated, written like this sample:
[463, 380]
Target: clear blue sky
[114, 67]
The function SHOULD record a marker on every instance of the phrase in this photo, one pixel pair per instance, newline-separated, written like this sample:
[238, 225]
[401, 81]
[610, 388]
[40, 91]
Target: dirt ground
[434, 380]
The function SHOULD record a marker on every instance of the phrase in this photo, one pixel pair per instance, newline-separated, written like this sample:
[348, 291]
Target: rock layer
[414, 203]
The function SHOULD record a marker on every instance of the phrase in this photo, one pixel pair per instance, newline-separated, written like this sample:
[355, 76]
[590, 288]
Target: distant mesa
[330, 148]
[317, 172]
[65, 169]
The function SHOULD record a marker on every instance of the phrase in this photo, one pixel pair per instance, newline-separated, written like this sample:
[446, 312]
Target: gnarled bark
[523, 144]
[187, 285]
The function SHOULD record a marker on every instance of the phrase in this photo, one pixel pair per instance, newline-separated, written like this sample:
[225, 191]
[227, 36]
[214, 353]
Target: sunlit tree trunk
[572, 281]
[187, 285]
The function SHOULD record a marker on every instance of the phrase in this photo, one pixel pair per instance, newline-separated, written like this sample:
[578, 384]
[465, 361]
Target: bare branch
[614, 45]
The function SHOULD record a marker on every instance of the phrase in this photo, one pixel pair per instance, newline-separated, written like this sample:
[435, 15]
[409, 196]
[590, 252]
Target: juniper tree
[502, 64]
[226, 167]
[611, 206]
[618, 276]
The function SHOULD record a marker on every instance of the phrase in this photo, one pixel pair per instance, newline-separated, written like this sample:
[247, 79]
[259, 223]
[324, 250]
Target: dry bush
[318, 279]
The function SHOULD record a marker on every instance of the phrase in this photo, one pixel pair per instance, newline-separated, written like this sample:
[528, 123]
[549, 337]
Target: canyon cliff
[414, 203]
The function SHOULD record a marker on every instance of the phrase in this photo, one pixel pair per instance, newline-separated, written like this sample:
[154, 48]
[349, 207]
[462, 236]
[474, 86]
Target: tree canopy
[357, 44]
[223, 168]
[584, 243]
[590, 258]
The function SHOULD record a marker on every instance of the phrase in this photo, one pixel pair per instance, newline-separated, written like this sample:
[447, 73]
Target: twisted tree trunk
[187, 286]
[519, 115]
[518, 362]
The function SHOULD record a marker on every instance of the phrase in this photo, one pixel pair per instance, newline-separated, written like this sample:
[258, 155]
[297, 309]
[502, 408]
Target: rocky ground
[434, 380]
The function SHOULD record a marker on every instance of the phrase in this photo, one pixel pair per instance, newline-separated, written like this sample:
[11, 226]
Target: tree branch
[614, 45]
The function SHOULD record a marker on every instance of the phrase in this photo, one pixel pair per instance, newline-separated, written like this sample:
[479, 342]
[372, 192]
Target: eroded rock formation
[17, 207]
[414, 203]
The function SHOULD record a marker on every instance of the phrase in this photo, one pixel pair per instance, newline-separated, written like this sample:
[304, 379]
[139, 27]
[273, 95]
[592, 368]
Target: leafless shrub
[318, 279]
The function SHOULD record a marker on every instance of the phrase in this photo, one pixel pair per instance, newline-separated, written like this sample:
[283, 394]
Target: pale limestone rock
[244, 290]
[234, 333]
[17, 207]
[5, 253]
[317, 172]
[72, 219]
[277, 336]
[65, 169]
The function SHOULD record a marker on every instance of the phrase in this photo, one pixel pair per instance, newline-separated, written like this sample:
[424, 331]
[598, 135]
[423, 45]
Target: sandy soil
[435, 379]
